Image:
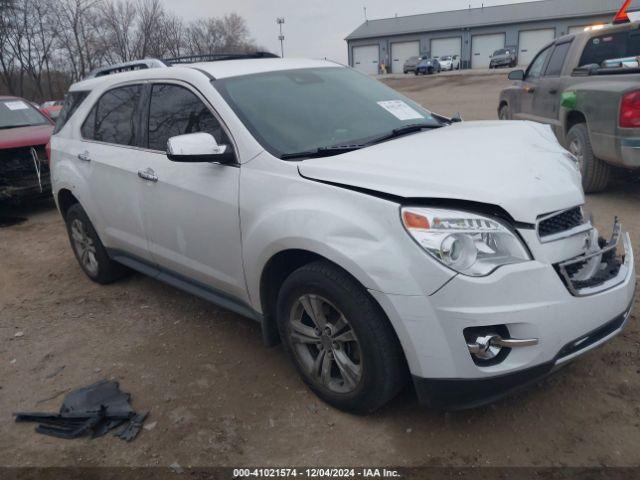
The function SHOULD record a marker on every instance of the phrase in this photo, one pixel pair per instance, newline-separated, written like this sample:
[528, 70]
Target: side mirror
[198, 148]
[516, 75]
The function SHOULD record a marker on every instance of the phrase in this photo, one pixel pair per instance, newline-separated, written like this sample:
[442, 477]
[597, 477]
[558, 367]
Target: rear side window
[611, 46]
[556, 62]
[175, 110]
[72, 101]
[114, 118]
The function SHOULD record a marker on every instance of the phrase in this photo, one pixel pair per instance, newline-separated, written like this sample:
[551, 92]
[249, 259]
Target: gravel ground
[219, 398]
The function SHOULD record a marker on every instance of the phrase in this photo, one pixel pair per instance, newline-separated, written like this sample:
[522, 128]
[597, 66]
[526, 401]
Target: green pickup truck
[587, 88]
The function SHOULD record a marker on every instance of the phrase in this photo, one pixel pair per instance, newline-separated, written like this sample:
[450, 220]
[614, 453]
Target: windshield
[301, 110]
[446, 57]
[499, 52]
[18, 113]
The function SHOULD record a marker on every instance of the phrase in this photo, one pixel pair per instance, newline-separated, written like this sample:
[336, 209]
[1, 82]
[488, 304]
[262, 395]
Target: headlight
[465, 242]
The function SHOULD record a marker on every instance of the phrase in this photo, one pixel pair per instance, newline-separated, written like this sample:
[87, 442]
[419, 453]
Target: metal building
[474, 33]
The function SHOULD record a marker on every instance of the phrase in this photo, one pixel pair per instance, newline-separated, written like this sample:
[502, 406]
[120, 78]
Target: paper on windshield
[400, 110]
[16, 105]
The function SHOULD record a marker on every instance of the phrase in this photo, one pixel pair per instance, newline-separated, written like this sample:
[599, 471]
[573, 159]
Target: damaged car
[24, 167]
[378, 241]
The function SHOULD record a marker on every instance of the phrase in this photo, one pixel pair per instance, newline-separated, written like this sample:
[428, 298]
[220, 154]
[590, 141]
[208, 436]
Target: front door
[529, 87]
[190, 209]
[547, 98]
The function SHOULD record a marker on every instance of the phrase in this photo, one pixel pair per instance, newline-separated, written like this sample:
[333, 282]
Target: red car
[24, 134]
[52, 108]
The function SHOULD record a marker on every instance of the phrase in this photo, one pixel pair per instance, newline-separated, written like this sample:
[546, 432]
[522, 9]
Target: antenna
[280, 22]
[365, 14]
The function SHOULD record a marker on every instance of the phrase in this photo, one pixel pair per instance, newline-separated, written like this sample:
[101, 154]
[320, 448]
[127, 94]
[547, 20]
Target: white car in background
[377, 240]
[449, 62]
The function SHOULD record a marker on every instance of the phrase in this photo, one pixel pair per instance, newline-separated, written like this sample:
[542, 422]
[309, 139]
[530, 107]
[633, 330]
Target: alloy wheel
[84, 247]
[576, 148]
[325, 344]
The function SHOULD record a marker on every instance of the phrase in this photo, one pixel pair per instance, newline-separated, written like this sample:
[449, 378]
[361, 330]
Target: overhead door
[401, 52]
[531, 42]
[446, 46]
[483, 46]
[577, 29]
[366, 59]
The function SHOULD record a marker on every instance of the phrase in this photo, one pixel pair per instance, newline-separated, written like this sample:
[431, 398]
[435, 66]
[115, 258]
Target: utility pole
[280, 22]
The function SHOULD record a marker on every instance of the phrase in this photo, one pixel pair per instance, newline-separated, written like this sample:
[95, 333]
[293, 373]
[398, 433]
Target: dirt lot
[218, 397]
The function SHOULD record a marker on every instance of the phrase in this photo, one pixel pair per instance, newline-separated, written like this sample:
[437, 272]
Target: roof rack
[167, 62]
[127, 67]
[218, 57]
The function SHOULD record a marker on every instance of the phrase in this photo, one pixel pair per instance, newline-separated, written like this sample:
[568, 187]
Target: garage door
[366, 59]
[402, 51]
[531, 42]
[446, 46]
[578, 29]
[483, 47]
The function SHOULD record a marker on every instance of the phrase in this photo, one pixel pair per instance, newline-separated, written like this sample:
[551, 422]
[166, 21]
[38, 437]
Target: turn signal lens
[630, 110]
[413, 220]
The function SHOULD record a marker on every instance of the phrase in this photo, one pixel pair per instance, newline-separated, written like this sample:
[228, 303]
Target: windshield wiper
[401, 131]
[322, 152]
[4, 127]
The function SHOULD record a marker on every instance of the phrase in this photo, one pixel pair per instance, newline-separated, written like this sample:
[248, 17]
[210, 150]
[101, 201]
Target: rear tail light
[630, 110]
[47, 151]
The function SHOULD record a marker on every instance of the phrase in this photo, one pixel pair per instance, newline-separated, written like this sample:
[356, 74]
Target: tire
[371, 352]
[504, 113]
[88, 248]
[595, 172]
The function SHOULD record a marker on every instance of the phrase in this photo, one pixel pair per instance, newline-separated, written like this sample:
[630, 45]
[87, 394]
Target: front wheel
[504, 113]
[339, 339]
[595, 172]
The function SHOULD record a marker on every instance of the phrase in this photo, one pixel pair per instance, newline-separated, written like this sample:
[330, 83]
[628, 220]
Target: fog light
[485, 348]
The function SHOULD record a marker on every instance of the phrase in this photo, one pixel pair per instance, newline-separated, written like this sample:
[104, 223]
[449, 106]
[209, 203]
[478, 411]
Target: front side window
[535, 69]
[175, 110]
[300, 110]
[556, 62]
[72, 101]
[19, 113]
[611, 46]
[114, 118]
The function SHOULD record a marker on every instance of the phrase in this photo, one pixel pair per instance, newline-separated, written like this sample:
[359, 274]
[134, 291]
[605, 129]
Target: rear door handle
[84, 156]
[148, 174]
[553, 91]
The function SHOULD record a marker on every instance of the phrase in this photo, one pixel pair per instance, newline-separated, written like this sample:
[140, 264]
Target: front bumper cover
[460, 394]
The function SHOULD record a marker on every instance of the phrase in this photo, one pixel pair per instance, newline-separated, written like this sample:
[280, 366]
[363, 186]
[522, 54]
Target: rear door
[190, 209]
[109, 155]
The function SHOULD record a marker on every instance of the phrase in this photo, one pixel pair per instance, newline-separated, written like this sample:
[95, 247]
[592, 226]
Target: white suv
[375, 239]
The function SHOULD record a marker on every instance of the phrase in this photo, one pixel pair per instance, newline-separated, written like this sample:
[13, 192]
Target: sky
[314, 28]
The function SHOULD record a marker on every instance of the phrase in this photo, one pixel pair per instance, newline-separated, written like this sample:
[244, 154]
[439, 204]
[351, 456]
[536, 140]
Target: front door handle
[84, 156]
[148, 174]
[553, 91]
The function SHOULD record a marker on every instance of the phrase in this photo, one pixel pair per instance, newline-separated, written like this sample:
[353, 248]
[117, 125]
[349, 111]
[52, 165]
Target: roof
[496, 15]
[217, 70]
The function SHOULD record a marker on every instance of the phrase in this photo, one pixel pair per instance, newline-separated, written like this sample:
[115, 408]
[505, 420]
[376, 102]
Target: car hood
[519, 166]
[25, 136]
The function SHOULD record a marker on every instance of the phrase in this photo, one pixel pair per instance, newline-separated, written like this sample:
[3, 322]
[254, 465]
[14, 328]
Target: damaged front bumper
[601, 269]
[24, 173]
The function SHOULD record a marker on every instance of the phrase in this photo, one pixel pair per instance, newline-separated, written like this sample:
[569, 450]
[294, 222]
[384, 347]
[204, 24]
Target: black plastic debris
[92, 410]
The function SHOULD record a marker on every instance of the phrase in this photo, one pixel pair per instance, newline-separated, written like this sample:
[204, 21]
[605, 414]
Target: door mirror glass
[516, 75]
[198, 147]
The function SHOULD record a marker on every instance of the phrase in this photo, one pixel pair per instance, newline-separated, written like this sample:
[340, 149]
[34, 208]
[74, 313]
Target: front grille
[19, 172]
[561, 222]
[594, 337]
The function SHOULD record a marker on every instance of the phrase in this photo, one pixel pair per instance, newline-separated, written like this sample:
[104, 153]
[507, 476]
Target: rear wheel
[88, 248]
[339, 339]
[595, 172]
